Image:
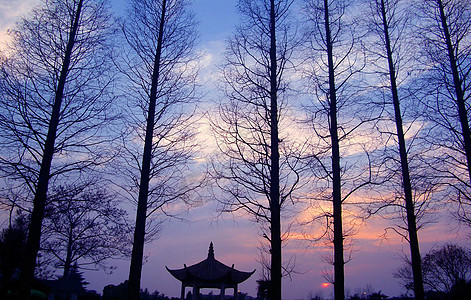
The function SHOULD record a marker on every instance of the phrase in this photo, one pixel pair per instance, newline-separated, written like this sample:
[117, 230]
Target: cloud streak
[10, 13]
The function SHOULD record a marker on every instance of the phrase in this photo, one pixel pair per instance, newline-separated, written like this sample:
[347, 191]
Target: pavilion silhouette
[209, 273]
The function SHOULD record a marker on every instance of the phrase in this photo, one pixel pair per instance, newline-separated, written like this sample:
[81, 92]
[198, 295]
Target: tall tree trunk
[276, 262]
[460, 102]
[135, 269]
[339, 276]
[411, 219]
[40, 196]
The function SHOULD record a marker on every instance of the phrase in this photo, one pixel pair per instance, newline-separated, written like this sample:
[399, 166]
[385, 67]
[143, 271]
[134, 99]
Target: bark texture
[135, 269]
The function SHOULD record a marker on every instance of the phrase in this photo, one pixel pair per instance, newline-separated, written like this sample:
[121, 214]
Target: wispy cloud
[10, 12]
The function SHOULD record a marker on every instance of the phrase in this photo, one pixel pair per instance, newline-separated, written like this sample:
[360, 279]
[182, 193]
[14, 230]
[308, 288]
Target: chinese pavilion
[209, 273]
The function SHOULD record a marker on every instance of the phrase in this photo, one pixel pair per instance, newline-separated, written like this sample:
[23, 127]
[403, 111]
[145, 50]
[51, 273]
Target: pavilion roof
[210, 270]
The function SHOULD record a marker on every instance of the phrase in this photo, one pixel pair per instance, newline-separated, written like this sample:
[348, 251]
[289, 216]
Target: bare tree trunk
[248, 131]
[460, 102]
[339, 276]
[139, 232]
[40, 197]
[276, 260]
[410, 210]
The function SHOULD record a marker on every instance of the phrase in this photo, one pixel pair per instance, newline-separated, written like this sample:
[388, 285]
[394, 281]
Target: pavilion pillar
[182, 295]
[196, 292]
[235, 292]
[222, 295]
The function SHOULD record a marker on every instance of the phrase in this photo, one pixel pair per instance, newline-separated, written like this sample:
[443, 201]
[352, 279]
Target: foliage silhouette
[55, 103]
[12, 250]
[84, 227]
[446, 271]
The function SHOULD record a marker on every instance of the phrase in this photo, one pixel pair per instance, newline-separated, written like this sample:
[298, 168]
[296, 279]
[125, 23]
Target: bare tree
[160, 72]
[339, 116]
[55, 101]
[389, 22]
[443, 269]
[445, 31]
[256, 167]
[446, 267]
[83, 226]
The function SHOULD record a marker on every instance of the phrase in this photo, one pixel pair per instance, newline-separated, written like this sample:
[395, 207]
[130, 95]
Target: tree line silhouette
[361, 108]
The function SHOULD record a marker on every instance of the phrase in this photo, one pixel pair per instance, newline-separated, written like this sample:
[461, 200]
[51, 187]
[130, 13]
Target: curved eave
[239, 276]
[180, 274]
[233, 276]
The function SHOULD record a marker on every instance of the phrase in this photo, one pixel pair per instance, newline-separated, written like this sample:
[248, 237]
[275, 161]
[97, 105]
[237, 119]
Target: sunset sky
[235, 237]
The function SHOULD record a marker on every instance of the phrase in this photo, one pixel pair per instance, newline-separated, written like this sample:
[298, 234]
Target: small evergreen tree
[74, 282]
[12, 249]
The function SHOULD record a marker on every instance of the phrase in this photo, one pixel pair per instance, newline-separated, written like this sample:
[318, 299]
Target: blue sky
[235, 238]
[216, 17]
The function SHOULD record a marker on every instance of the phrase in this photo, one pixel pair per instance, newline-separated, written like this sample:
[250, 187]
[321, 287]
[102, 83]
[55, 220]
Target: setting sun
[325, 284]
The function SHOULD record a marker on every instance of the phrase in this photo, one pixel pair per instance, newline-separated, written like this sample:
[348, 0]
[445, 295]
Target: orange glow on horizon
[325, 284]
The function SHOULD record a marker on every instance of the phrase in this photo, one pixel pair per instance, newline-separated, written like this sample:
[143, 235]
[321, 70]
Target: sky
[236, 238]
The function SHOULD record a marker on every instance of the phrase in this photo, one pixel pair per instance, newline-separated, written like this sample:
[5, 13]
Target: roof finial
[211, 251]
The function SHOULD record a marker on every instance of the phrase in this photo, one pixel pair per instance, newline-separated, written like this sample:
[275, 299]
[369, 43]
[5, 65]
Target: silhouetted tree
[369, 296]
[263, 289]
[55, 100]
[445, 31]
[159, 68]
[444, 269]
[72, 283]
[460, 290]
[83, 227]
[115, 292]
[339, 116]
[390, 24]
[256, 169]
[119, 292]
[12, 250]
[377, 296]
